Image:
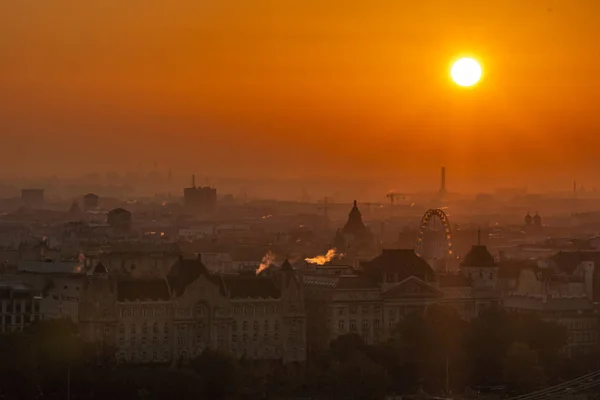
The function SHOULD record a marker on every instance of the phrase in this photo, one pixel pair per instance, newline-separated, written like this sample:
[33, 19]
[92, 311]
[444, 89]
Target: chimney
[443, 186]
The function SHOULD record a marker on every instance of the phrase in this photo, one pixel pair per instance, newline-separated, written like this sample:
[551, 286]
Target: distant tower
[528, 219]
[443, 182]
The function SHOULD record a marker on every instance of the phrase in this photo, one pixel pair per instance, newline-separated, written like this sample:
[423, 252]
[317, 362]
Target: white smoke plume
[324, 259]
[266, 261]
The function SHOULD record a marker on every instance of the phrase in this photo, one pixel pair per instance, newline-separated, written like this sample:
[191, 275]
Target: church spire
[354, 225]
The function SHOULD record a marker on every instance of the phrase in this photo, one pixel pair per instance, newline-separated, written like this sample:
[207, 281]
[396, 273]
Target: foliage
[430, 352]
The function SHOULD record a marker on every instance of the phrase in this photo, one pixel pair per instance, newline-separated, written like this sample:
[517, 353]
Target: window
[144, 341]
[255, 352]
[121, 341]
[245, 310]
[255, 337]
[341, 311]
[376, 323]
[245, 325]
[143, 356]
[180, 341]
[353, 325]
[255, 325]
[234, 326]
[155, 327]
[181, 329]
[144, 328]
[121, 329]
[166, 328]
[198, 338]
[155, 340]
[276, 325]
[166, 340]
[365, 324]
[266, 325]
[107, 330]
[132, 342]
[155, 356]
[133, 356]
[245, 338]
[234, 338]
[133, 329]
[276, 337]
[166, 355]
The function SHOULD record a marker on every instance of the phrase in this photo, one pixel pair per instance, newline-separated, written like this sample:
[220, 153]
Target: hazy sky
[305, 88]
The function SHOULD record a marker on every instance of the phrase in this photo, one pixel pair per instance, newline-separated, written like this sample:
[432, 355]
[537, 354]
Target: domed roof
[354, 225]
[478, 256]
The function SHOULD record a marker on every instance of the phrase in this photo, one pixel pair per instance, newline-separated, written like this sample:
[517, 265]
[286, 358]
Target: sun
[465, 72]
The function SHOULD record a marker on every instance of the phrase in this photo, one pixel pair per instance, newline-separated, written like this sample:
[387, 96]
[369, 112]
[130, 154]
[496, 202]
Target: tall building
[199, 200]
[33, 198]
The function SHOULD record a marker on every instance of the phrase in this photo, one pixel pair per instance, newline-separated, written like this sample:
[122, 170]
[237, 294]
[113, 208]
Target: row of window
[18, 319]
[366, 324]
[245, 338]
[143, 312]
[255, 325]
[356, 309]
[16, 306]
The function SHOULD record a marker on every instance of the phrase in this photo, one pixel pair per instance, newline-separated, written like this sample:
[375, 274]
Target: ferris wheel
[434, 240]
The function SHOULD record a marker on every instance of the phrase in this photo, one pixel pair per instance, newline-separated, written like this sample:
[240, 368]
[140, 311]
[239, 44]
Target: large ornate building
[177, 317]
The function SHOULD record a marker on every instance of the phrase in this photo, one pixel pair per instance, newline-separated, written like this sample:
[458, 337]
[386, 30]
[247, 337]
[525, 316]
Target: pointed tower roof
[354, 225]
[286, 266]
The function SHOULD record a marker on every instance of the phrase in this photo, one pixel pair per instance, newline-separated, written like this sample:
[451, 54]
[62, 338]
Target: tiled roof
[184, 272]
[478, 256]
[251, 286]
[142, 290]
[403, 262]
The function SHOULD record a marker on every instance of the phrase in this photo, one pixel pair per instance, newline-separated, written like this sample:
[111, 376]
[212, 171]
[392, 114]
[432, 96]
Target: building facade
[176, 318]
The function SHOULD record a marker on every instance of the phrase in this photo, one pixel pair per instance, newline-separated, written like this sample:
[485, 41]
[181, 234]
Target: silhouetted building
[119, 219]
[528, 219]
[199, 200]
[33, 198]
[90, 201]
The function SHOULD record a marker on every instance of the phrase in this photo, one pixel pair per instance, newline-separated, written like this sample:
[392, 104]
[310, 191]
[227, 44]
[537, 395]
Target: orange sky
[303, 88]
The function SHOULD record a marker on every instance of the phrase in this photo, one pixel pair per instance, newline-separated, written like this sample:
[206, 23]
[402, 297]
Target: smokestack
[443, 187]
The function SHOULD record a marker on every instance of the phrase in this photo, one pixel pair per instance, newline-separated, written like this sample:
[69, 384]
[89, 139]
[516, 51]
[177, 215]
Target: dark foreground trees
[434, 353]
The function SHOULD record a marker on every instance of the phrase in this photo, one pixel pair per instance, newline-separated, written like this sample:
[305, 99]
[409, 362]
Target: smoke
[324, 259]
[266, 261]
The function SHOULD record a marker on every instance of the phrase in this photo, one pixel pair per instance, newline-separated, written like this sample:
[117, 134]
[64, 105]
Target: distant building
[90, 201]
[119, 219]
[199, 200]
[33, 198]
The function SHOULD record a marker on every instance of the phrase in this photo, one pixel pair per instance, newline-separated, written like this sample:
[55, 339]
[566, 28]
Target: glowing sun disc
[465, 72]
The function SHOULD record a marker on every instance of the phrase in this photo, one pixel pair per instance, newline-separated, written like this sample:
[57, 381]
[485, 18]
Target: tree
[522, 372]
[218, 371]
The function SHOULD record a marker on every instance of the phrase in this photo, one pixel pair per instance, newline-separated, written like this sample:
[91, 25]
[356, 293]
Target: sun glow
[465, 72]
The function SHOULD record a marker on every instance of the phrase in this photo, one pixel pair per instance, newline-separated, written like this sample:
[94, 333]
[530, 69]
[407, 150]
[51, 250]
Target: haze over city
[314, 89]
